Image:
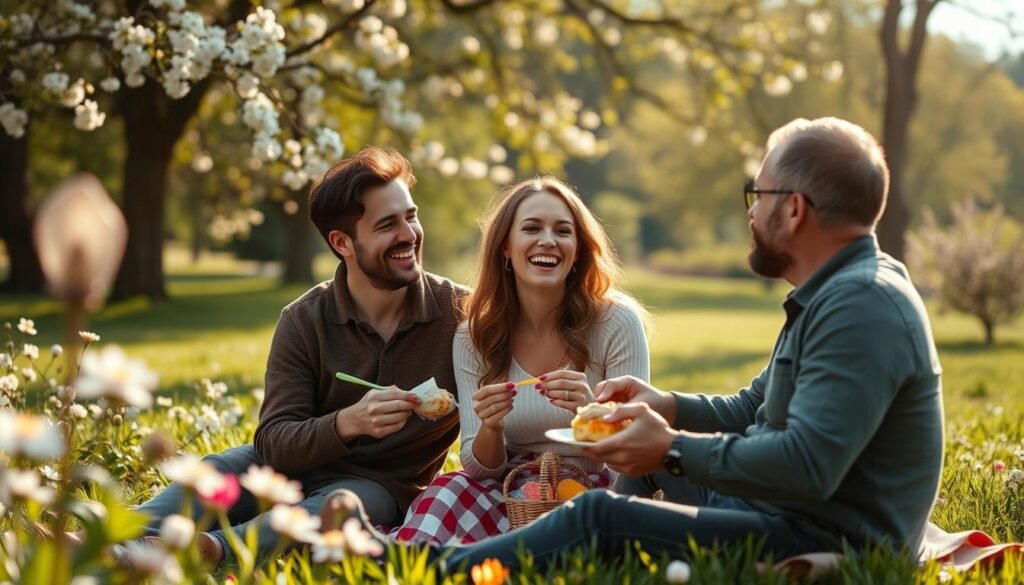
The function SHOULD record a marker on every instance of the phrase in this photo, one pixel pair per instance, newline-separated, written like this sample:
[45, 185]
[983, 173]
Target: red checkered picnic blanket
[455, 508]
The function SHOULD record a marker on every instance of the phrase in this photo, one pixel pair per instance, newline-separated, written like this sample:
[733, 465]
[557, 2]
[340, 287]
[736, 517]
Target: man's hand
[632, 389]
[378, 414]
[638, 449]
[492, 402]
[566, 389]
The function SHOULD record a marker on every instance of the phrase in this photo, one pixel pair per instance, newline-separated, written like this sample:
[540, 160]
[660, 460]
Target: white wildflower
[330, 547]
[359, 541]
[295, 523]
[112, 375]
[27, 326]
[164, 401]
[153, 561]
[214, 390]
[33, 436]
[88, 337]
[1014, 479]
[190, 471]
[207, 419]
[177, 531]
[8, 383]
[29, 374]
[267, 484]
[78, 411]
[30, 351]
[56, 350]
[26, 484]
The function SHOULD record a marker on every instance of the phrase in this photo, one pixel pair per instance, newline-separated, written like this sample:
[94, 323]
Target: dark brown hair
[336, 203]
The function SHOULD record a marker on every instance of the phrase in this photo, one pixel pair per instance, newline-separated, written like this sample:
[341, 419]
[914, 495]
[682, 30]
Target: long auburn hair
[492, 309]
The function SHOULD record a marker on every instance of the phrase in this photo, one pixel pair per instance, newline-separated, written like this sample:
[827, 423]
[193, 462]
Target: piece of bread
[588, 425]
[434, 403]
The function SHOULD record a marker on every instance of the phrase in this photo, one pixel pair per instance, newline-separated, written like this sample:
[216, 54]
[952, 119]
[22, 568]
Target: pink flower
[223, 495]
[999, 465]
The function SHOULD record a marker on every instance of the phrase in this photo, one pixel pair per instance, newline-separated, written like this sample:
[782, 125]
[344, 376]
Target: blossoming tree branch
[549, 75]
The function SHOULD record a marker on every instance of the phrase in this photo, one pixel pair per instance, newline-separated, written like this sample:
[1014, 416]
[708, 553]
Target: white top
[618, 347]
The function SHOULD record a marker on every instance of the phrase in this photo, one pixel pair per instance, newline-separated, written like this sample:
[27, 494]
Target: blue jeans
[610, 521]
[316, 486]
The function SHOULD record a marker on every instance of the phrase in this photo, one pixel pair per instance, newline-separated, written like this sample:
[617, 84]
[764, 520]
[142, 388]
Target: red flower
[999, 465]
[223, 496]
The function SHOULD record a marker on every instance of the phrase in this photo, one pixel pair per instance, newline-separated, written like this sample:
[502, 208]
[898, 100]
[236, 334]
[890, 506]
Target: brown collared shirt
[319, 335]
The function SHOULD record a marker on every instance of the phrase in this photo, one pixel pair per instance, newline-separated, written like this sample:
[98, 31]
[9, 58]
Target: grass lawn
[709, 335]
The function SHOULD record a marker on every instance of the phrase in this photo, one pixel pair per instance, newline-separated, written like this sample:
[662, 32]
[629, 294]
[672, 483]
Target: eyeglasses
[750, 194]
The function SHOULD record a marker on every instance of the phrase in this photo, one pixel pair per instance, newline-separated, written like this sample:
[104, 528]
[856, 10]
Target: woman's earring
[508, 264]
[574, 269]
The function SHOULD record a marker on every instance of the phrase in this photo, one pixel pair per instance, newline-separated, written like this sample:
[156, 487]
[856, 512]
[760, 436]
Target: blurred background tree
[656, 113]
[975, 266]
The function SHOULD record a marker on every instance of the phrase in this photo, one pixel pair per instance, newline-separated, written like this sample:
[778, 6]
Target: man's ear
[798, 211]
[341, 243]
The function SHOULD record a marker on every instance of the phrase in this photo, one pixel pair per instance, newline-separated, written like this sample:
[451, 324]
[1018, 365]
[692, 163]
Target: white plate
[565, 436]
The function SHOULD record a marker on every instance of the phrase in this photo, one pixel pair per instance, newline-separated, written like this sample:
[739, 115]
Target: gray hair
[837, 164]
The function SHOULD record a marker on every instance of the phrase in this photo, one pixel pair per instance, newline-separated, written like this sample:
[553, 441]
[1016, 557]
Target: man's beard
[763, 259]
[379, 272]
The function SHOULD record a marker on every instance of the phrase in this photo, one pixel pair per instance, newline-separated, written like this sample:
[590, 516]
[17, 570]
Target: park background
[656, 112]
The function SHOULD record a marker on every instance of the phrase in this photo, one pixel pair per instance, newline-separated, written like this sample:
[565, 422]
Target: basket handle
[549, 464]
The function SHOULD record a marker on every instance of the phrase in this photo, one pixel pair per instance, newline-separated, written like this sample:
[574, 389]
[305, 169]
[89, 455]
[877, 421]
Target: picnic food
[569, 488]
[589, 423]
[434, 402]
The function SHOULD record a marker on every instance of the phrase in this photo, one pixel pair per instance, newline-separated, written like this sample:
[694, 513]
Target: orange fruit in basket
[569, 489]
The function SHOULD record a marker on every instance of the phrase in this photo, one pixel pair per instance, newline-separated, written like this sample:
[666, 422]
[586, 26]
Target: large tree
[515, 60]
[901, 69]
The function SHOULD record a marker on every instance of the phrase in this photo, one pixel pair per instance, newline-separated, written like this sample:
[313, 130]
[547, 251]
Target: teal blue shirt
[842, 432]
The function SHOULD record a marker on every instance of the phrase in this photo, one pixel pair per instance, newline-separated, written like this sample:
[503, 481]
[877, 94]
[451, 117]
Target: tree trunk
[153, 123]
[900, 101]
[990, 331]
[25, 275]
[299, 251]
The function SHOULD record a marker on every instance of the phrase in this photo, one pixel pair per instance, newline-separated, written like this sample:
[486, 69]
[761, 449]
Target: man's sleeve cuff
[696, 455]
[327, 438]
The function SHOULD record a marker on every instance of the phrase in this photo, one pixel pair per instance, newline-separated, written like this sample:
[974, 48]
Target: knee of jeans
[593, 505]
[236, 460]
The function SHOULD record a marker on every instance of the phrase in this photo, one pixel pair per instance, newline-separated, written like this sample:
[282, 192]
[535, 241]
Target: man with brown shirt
[382, 319]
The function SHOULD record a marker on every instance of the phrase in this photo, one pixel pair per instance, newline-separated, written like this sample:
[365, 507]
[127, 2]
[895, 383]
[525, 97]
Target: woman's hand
[492, 402]
[566, 389]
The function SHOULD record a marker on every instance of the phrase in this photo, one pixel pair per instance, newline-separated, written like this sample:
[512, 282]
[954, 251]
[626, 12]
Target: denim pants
[610, 521]
[316, 486]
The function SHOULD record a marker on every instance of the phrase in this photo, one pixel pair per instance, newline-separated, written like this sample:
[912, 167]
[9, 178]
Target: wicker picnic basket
[521, 511]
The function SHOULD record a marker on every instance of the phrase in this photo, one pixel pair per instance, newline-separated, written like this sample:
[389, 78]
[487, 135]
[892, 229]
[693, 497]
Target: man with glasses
[838, 441]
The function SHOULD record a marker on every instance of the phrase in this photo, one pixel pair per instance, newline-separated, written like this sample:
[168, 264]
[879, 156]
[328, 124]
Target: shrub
[975, 265]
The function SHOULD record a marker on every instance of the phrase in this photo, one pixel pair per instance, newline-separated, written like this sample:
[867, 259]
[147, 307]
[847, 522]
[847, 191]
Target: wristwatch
[673, 460]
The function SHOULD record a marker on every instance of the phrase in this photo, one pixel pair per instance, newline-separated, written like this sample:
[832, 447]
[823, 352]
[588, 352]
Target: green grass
[709, 335]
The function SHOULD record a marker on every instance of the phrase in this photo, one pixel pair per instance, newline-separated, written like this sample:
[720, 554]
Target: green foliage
[710, 335]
